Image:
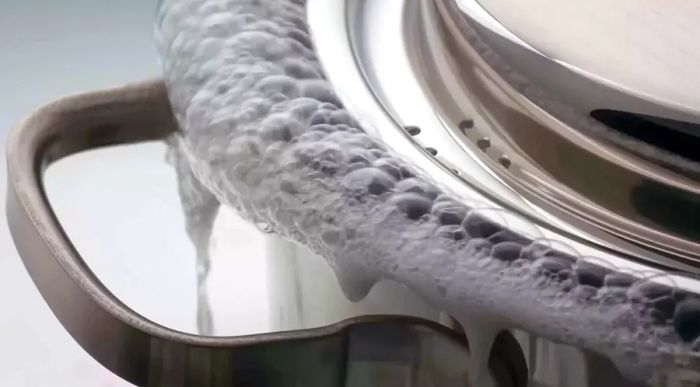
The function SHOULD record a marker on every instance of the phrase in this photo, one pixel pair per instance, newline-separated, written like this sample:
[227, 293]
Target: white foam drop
[266, 135]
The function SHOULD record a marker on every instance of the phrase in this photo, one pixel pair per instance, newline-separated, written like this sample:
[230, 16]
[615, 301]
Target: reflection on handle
[146, 354]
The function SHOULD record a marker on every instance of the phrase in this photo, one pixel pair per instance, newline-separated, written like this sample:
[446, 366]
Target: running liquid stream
[200, 209]
[262, 131]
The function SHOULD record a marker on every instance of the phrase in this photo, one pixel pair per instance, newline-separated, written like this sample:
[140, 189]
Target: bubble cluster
[265, 133]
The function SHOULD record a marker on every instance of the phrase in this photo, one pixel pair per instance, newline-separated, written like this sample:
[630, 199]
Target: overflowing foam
[264, 133]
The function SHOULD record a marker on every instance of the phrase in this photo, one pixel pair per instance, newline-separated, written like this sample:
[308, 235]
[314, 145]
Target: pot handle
[145, 353]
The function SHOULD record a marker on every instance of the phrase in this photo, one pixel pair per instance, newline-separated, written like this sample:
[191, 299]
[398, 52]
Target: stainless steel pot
[427, 79]
[145, 353]
[441, 83]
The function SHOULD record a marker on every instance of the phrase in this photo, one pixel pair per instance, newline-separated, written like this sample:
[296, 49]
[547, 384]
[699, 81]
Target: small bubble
[265, 227]
[278, 122]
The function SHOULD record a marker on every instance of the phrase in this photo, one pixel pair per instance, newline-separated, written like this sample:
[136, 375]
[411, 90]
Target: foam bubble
[266, 134]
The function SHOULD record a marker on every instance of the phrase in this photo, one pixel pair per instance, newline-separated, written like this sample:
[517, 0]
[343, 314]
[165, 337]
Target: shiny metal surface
[570, 84]
[434, 79]
[624, 208]
[351, 353]
[553, 162]
[413, 60]
[51, 50]
[132, 346]
[388, 95]
[644, 48]
[544, 363]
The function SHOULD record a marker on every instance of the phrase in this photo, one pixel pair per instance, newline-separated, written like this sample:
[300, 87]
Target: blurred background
[50, 49]
[120, 208]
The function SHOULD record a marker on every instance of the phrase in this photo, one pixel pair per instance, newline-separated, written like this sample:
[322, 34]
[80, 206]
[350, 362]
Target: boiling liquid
[265, 134]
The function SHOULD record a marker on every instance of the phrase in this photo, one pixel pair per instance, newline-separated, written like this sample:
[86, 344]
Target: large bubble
[265, 133]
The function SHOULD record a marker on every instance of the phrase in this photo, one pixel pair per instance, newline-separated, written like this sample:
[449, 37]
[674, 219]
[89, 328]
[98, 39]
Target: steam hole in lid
[466, 124]
[484, 144]
[504, 161]
[413, 130]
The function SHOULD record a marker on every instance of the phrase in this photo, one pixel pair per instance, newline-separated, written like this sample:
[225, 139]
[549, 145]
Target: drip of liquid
[200, 208]
[205, 323]
[264, 133]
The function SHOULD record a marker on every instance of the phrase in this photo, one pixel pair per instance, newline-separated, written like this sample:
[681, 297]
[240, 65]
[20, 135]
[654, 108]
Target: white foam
[267, 135]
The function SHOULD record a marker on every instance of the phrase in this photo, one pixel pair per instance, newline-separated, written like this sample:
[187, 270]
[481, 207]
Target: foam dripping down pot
[362, 154]
[264, 131]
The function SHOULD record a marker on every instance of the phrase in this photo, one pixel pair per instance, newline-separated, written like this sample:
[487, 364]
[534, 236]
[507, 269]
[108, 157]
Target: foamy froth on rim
[266, 134]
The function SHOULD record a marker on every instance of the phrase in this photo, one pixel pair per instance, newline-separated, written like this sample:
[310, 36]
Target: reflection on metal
[348, 354]
[474, 121]
[427, 64]
[516, 359]
[451, 76]
[552, 163]
[507, 362]
[676, 137]
[148, 354]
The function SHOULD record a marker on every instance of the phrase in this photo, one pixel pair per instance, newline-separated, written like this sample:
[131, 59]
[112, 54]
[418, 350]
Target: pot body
[303, 293]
